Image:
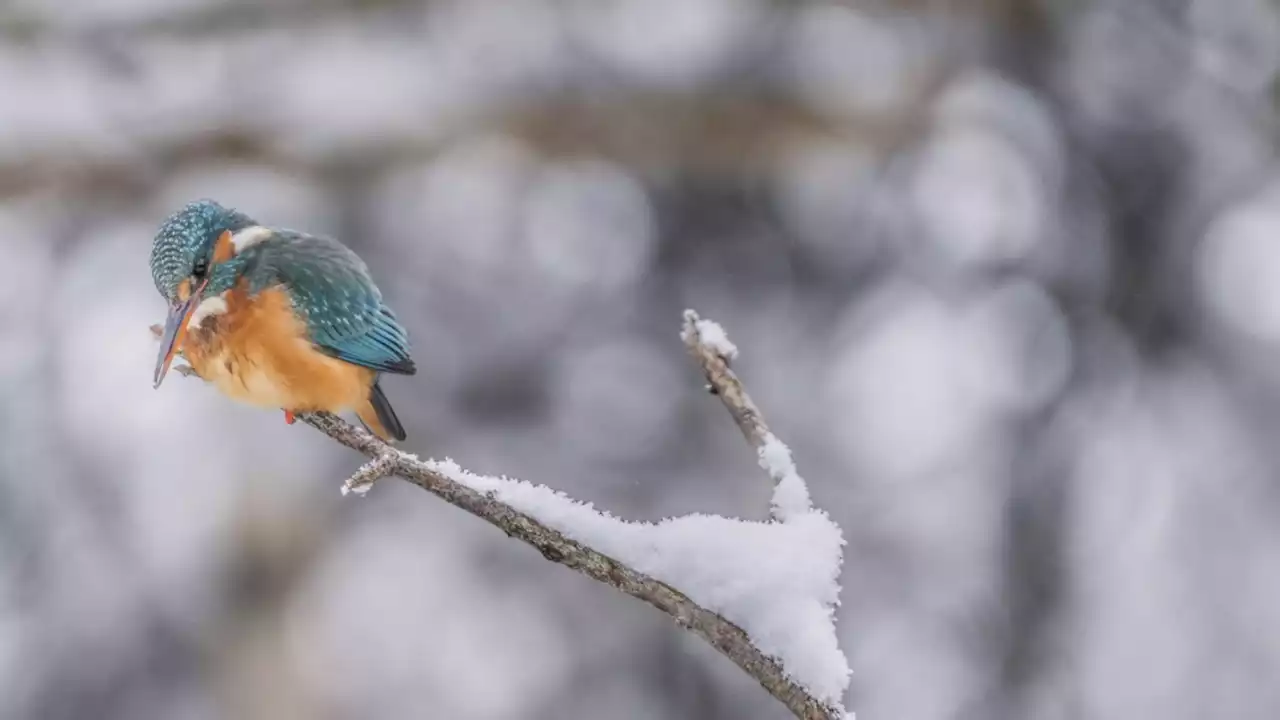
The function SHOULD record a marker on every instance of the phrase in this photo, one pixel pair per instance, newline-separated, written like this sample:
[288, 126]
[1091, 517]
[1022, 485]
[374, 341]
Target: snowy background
[1005, 276]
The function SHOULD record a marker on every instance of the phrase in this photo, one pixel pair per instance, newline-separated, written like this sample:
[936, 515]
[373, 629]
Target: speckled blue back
[333, 292]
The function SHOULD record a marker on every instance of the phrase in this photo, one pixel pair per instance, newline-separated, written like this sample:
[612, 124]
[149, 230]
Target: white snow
[778, 581]
[711, 334]
[790, 494]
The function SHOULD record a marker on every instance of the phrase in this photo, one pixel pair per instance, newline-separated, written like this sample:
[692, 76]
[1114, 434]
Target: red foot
[288, 417]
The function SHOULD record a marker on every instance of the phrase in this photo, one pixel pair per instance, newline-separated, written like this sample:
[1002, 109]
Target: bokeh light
[1005, 276]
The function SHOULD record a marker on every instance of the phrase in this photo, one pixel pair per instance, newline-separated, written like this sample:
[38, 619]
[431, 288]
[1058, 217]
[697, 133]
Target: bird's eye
[202, 266]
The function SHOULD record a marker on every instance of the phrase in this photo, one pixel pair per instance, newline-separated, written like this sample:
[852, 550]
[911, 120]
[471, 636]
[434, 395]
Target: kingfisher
[276, 318]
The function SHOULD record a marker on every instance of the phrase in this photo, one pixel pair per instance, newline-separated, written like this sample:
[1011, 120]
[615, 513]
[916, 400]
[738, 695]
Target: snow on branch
[762, 593]
[710, 346]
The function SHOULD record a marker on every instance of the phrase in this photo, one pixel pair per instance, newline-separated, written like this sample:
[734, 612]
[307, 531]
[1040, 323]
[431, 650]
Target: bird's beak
[175, 330]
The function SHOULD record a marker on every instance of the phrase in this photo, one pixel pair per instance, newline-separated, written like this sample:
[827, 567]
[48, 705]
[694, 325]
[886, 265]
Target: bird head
[192, 258]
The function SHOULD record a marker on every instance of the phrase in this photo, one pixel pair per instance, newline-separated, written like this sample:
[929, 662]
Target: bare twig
[363, 479]
[726, 637]
[713, 356]
[707, 343]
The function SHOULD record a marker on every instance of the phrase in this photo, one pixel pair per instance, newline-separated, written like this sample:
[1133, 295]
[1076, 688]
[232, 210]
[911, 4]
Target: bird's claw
[289, 417]
[157, 330]
[186, 371]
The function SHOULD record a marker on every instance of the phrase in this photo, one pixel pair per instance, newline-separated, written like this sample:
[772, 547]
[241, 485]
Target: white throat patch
[207, 308]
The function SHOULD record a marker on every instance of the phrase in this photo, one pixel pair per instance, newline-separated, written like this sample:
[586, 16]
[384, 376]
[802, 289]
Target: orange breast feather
[257, 351]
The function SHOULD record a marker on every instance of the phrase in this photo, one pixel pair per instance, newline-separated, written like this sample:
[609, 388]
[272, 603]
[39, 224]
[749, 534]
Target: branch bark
[726, 637]
[708, 344]
[714, 358]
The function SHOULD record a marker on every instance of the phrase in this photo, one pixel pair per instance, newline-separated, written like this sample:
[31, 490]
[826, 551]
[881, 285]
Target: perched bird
[276, 318]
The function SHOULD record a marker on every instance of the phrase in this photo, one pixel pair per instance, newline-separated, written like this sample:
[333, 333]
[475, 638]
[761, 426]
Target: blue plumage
[214, 264]
[333, 293]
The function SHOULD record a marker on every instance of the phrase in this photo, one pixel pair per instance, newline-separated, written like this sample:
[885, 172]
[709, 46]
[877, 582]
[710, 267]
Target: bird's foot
[289, 417]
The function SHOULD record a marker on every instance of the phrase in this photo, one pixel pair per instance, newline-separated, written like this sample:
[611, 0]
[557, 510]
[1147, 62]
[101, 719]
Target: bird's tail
[378, 416]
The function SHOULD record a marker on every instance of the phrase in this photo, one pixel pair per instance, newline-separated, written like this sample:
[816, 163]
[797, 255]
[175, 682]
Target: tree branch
[363, 479]
[726, 637]
[709, 345]
[723, 635]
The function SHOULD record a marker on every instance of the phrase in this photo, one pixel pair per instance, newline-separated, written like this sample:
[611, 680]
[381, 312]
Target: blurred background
[1005, 274]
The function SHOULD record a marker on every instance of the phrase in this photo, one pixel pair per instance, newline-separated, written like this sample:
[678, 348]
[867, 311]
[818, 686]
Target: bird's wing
[342, 307]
